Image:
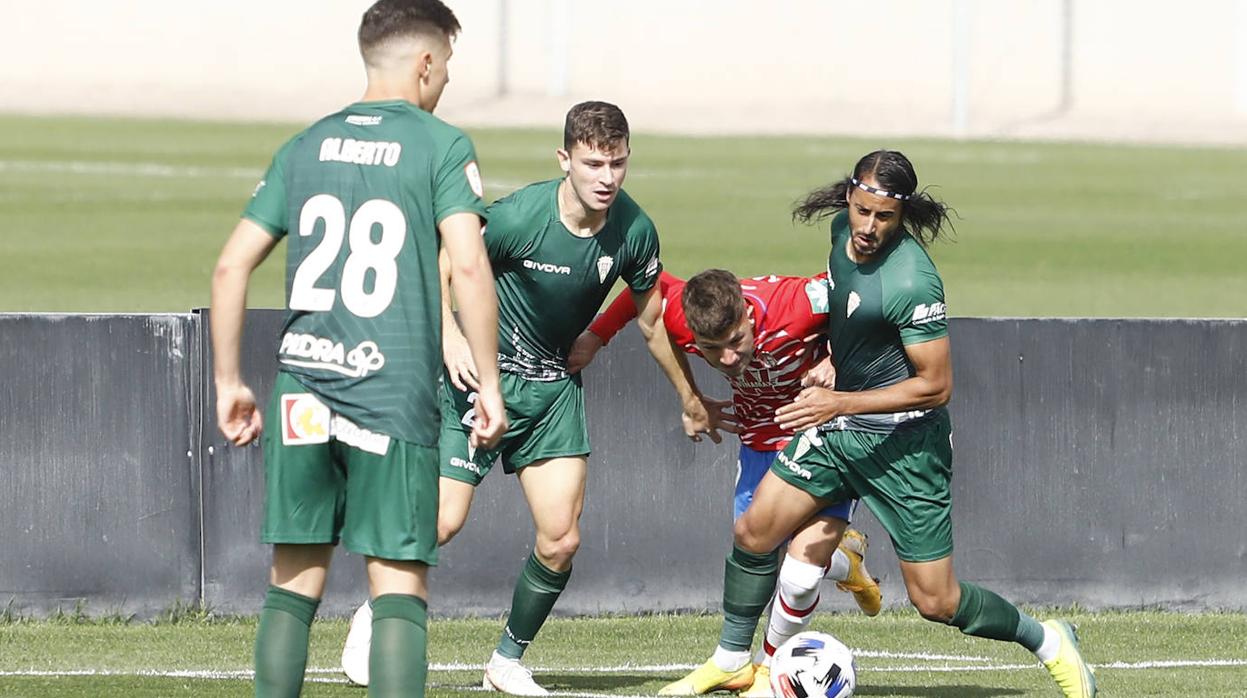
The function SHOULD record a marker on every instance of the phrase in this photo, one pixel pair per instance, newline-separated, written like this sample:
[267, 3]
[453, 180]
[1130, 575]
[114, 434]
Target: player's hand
[457, 356]
[721, 416]
[491, 419]
[822, 375]
[237, 415]
[583, 350]
[813, 406]
[697, 421]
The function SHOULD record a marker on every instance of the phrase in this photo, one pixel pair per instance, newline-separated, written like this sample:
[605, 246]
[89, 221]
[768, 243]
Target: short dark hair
[713, 303]
[390, 19]
[922, 215]
[599, 125]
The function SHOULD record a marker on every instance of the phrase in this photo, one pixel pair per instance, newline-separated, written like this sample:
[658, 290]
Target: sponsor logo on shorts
[794, 467]
[304, 420]
[351, 434]
[457, 462]
[924, 313]
[311, 351]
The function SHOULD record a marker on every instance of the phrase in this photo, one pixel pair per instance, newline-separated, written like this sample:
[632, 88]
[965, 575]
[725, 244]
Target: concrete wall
[1027, 68]
[1099, 462]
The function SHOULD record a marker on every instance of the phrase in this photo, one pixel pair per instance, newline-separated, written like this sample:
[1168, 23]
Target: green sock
[748, 584]
[1029, 633]
[281, 643]
[398, 662]
[535, 593]
[982, 613]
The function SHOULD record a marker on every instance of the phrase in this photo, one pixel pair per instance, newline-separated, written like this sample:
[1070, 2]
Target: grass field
[1136, 654]
[124, 215]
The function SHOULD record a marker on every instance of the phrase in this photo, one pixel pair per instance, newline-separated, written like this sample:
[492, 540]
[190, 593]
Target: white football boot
[509, 676]
[358, 644]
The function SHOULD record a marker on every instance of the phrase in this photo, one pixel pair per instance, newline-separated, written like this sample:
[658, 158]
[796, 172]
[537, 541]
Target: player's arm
[674, 364]
[930, 387]
[472, 282]
[247, 247]
[456, 353]
[605, 326]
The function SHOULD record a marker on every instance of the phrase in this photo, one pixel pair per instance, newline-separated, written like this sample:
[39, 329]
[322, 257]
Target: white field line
[156, 169]
[132, 169]
[326, 674]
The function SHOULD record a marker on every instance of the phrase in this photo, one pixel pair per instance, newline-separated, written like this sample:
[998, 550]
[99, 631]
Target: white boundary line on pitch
[646, 669]
[156, 169]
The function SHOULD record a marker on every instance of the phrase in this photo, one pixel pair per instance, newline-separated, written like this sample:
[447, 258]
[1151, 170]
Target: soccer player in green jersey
[362, 197]
[557, 248]
[882, 434]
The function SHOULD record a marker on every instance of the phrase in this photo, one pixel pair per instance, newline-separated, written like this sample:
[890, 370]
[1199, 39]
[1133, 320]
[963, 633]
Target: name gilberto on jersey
[360, 152]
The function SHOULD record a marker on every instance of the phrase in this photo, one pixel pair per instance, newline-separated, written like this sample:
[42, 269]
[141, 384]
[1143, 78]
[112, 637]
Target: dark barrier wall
[99, 490]
[1097, 461]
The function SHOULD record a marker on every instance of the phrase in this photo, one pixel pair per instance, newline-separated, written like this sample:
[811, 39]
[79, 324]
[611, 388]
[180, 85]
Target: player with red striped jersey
[765, 335]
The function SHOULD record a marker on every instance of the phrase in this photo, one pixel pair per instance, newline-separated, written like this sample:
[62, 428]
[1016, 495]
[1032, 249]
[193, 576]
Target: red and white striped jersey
[786, 312]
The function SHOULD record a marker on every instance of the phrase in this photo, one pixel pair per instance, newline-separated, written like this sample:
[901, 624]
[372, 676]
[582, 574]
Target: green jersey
[876, 309]
[360, 193]
[551, 283]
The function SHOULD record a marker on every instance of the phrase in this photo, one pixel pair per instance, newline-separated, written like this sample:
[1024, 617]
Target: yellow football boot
[865, 588]
[761, 687]
[708, 678]
[1071, 672]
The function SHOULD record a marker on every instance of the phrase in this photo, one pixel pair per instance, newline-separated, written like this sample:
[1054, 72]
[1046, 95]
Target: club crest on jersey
[304, 420]
[767, 359]
[854, 301]
[604, 267]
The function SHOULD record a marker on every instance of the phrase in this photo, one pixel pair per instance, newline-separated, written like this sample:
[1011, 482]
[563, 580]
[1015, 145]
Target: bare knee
[557, 553]
[749, 538]
[936, 607]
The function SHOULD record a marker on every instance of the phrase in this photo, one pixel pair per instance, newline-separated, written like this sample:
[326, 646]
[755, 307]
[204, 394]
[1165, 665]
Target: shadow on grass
[607, 683]
[937, 691]
[597, 682]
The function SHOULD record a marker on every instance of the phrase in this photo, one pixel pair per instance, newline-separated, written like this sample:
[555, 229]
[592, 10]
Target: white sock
[839, 570]
[730, 660]
[1050, 646]
[797, 597]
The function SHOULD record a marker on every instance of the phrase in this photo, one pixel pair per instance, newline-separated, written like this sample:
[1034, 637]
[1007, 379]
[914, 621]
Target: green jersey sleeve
[458, 187]
[267, 207]
[642, 273]
[916, 307]
[503, 240]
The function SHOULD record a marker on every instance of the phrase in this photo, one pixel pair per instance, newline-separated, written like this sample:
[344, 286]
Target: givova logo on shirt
[546, 268]
[924, 313]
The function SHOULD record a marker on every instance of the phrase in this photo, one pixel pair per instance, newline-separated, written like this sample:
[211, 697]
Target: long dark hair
[922, 215]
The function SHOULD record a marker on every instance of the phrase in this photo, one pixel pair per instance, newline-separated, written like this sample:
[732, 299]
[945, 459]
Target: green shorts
[904, 477]
[327, 480]
[546, 420]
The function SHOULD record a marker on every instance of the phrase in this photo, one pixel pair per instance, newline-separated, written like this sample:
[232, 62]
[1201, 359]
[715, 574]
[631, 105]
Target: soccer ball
[813, 665]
